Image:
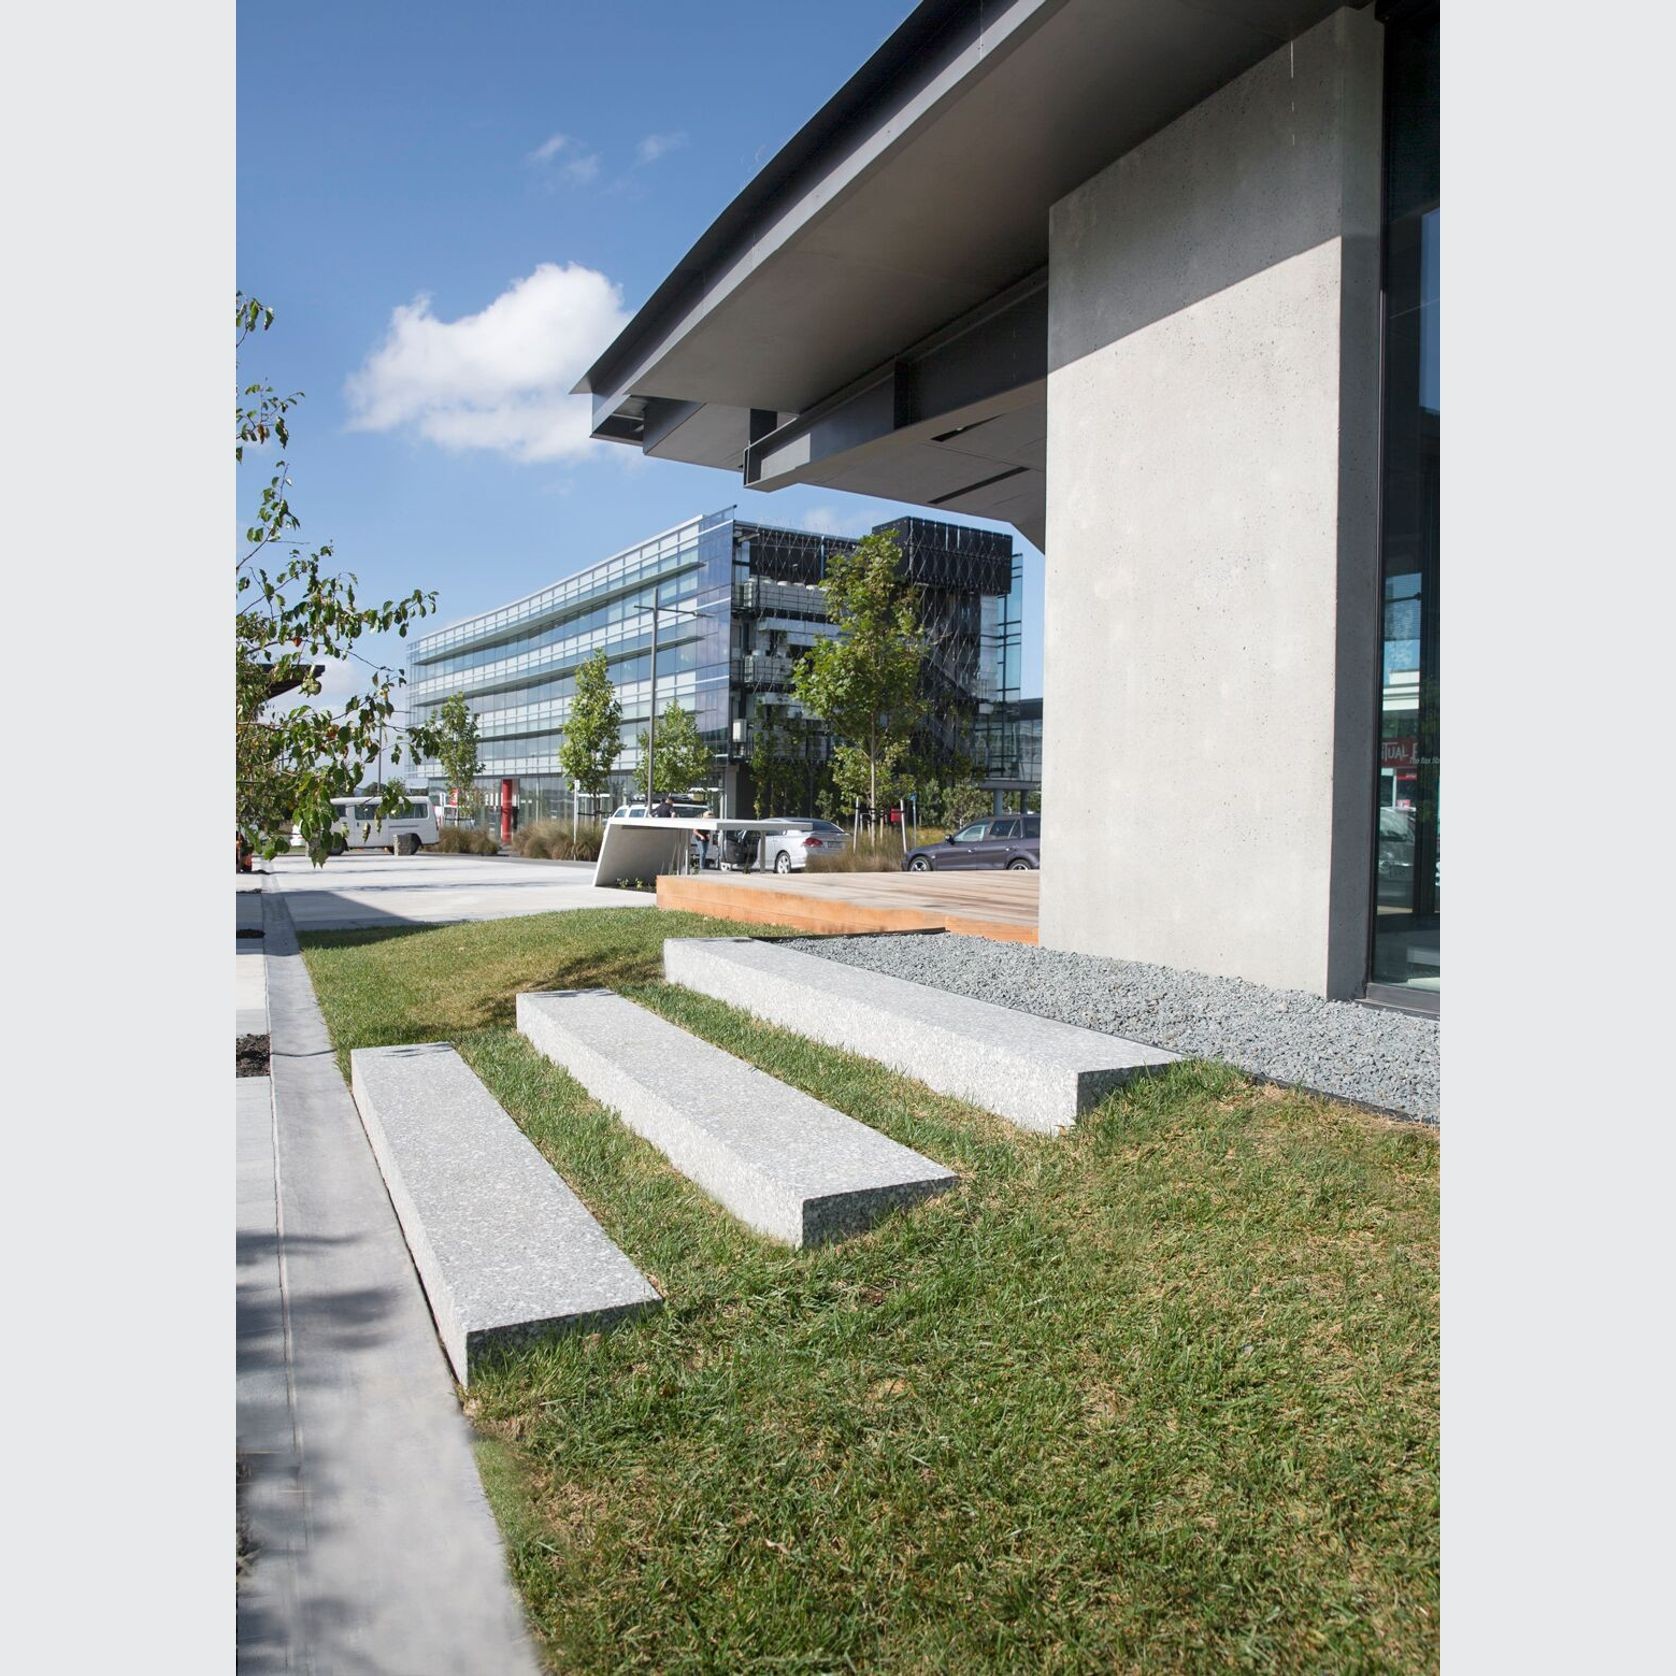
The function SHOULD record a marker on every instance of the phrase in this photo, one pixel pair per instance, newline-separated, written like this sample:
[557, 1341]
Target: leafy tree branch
[290, 763]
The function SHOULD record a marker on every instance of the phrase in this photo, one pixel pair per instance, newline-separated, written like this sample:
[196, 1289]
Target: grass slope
[1160, 1395]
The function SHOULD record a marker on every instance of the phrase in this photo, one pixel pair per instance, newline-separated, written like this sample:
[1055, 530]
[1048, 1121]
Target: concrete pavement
[356, 891]
[376, 1551]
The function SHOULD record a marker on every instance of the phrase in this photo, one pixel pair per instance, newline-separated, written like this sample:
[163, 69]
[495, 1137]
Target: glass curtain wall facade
[745, 602]
[1407, 919]
[970, 593]
[1009, 746]
[517, 665]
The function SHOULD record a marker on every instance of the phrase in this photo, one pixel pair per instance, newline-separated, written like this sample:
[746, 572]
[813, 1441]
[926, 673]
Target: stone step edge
[720, 1165]
[998, 1058]
[464, 1340]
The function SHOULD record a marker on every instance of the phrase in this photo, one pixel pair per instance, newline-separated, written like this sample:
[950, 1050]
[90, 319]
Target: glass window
[1407, 919]
[973, 834]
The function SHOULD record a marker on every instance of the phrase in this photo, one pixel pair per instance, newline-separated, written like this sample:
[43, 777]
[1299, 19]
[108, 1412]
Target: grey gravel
[1374, 1057]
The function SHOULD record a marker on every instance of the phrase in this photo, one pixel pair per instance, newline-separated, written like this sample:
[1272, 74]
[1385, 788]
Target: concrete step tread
[779, 1159]
[1036, 1072]
[504, 1247]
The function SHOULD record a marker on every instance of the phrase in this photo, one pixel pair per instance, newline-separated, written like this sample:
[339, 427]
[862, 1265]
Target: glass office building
[743, 602]
[1009, 748]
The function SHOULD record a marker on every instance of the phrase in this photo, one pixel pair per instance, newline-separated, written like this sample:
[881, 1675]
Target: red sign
[1398, 753]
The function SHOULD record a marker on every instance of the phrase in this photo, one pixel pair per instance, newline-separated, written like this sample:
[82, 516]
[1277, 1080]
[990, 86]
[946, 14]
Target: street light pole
[652, 719]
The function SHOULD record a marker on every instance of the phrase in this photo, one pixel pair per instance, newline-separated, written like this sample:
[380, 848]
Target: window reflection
[1407, 871]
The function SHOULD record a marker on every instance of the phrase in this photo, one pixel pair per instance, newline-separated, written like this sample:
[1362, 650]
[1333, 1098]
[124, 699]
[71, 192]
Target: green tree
[593, 733]
[768, 770]
[788, 773]
[683, 757]
[778, 767]
[864, 683]
[764, 763]
[456, 749]
[948, 795]
[963, 802]
[290, 763]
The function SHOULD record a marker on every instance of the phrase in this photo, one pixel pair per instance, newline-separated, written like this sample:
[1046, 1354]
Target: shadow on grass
[362, 936]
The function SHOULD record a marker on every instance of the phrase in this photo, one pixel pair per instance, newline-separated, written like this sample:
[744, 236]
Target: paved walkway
[376, 1549]
[250, 989]
[355, 891]
[989, 903]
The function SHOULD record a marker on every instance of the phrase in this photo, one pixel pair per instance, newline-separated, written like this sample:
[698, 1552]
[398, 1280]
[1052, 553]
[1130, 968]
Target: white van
[358, 827]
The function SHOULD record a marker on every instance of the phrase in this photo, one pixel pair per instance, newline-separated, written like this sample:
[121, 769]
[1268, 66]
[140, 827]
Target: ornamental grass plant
[552, 840]
[464, 840]
[875, 852]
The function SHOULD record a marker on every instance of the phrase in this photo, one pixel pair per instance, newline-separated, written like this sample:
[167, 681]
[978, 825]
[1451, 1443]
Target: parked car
[789, 851]
[1010, 841]
[783, 848]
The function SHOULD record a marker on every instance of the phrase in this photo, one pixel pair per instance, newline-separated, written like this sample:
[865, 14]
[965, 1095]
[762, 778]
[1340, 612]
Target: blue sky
[450, 208]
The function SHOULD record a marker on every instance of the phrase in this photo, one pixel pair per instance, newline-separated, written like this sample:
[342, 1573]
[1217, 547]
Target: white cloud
[580, 166]
[655, 146]
[498, 379]
[549, 149]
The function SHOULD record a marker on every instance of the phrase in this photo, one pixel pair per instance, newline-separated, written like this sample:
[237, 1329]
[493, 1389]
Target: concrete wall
[1212, 602]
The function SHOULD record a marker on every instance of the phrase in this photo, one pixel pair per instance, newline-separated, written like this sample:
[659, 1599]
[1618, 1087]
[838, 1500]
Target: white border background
[116, 1201]
[116, 1179]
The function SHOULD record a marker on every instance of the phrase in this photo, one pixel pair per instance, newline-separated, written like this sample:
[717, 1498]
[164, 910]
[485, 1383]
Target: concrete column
[1212, 599]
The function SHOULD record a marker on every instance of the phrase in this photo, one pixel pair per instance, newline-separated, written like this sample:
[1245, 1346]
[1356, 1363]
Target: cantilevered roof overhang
[870, 313]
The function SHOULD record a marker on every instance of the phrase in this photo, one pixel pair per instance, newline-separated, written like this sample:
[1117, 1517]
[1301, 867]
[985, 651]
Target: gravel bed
[1366, 1054]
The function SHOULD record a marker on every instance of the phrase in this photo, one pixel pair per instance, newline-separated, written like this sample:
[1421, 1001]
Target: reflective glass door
[1407, 920]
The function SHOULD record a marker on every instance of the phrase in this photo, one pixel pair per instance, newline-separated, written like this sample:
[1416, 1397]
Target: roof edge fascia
[892, 95]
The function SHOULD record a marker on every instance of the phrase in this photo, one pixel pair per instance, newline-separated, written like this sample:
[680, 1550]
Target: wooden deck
[994, 904]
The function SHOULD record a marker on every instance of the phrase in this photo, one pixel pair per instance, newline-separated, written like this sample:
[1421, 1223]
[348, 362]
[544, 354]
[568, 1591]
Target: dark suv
[1011, 841]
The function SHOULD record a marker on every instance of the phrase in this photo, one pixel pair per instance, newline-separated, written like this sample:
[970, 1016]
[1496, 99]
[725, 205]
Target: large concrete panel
[1035, 1072]
[1212, 605]
[782, 1162]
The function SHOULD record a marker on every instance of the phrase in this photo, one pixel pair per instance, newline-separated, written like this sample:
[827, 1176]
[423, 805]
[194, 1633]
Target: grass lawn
[1159, 1395]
